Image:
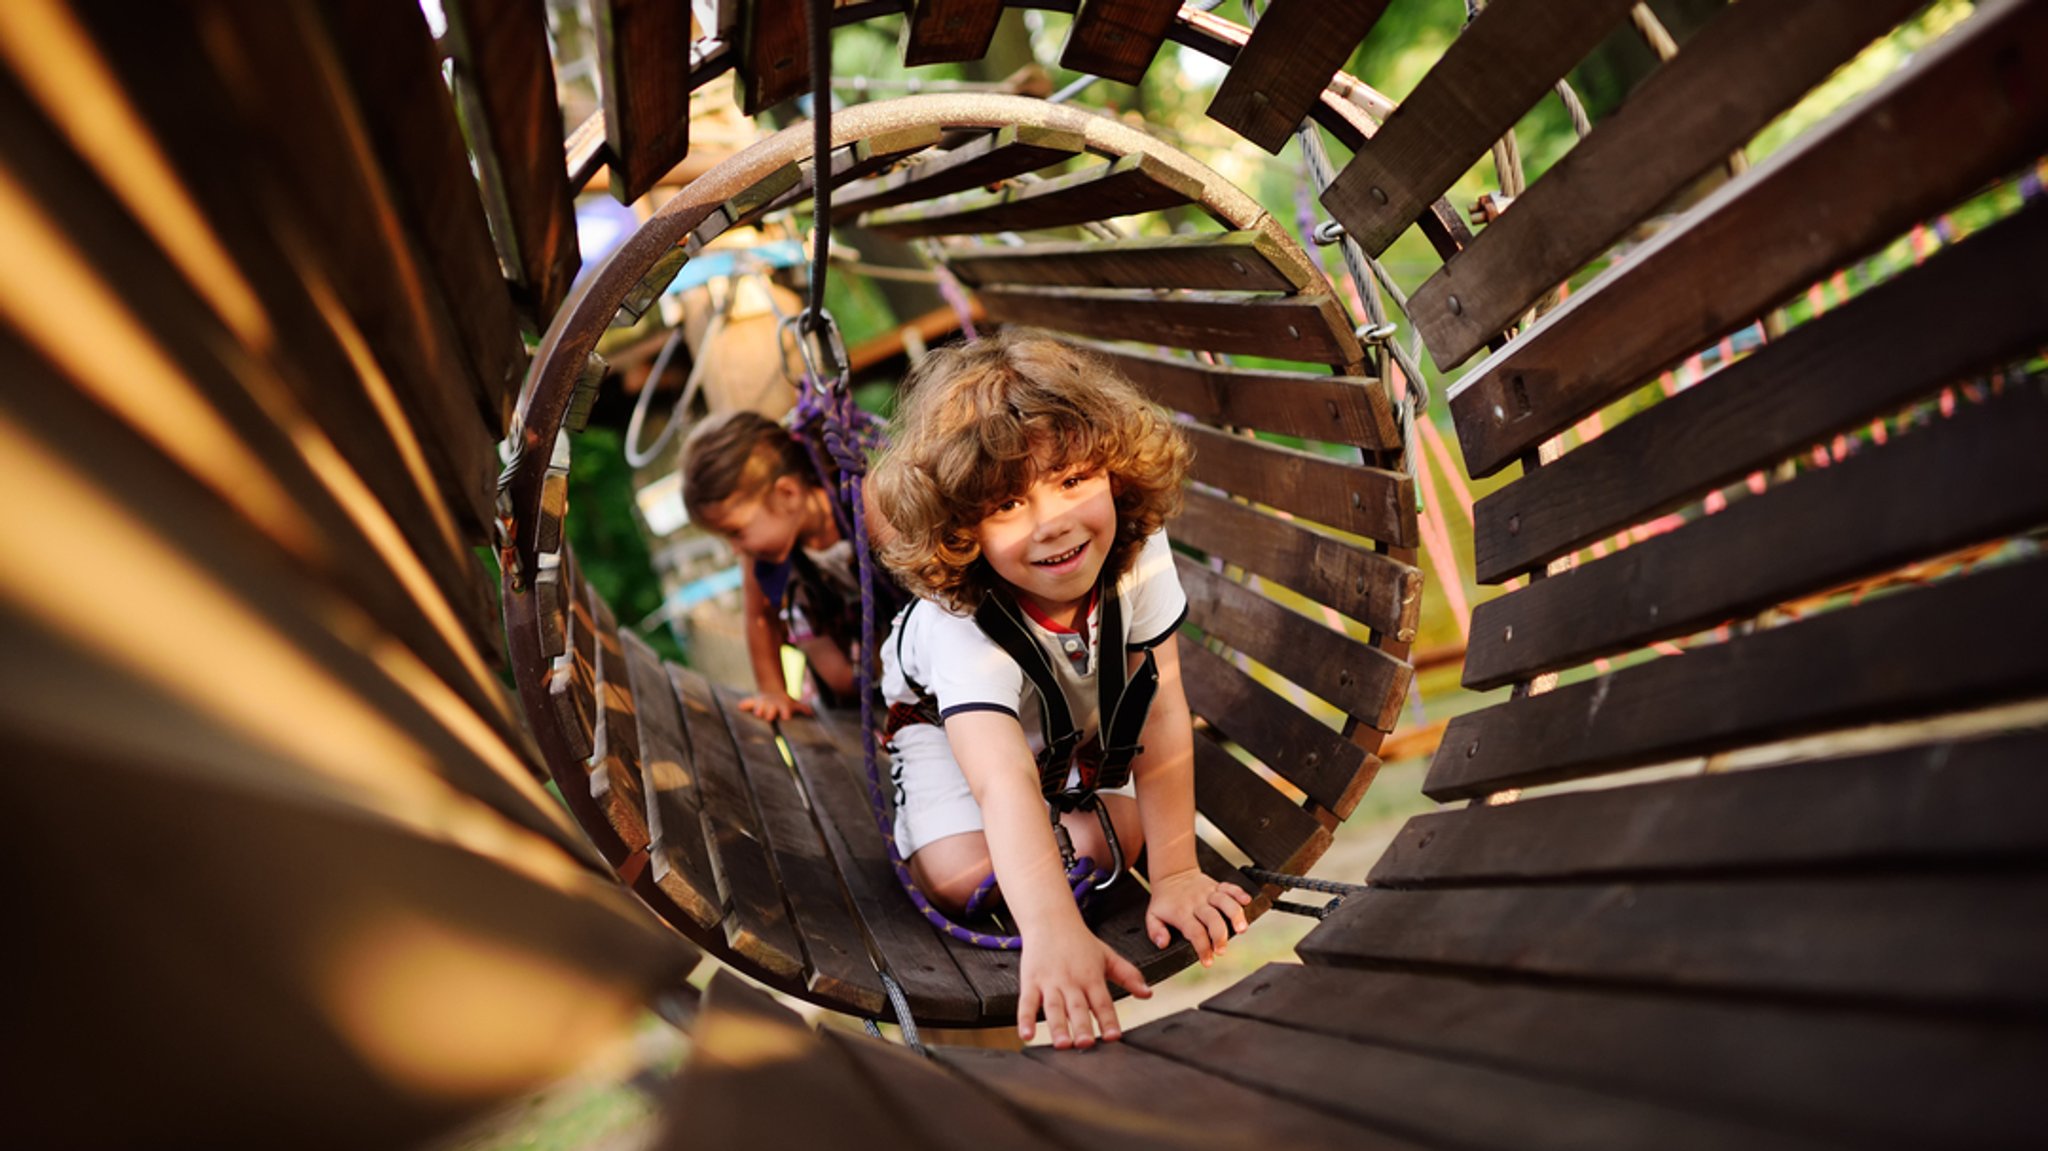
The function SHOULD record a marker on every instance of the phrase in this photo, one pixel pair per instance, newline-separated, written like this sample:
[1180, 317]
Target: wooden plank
[408, 113]
[1117, 39]
[944, 1109]
[1305, 328]
[1000, 155]
[1274, 832]
[1950, 121]
[912, 953]
[1978, 476]
[1836, 669]
[646, 100]
[1070, 1112]
[837, 969]
[775, 60]
[1330, 769]
[680, 863]
[1184, 1106]
[1294, 50]
[750, 1059]
[1214, 261]
[1123, 187]
[499, 47]
[1117, 917]
[286, 178]
[1968, 942]
[1747, 65]
[756, 922]
[1825, 376]
[250, 458]
[615, 742]
[1377, 590]
[1367, 501]
[1331, 409]
[1504, 61]
[950, 31]
[1359, 678]
[1937, 805]
[1422, 1097]
[572, 689]
[1830, 1073]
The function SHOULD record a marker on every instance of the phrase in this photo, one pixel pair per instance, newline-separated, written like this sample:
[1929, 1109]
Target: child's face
[762, 526]
[1050, 541]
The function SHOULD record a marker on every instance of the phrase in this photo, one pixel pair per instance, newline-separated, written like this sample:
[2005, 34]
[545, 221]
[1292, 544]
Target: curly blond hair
[981, 421]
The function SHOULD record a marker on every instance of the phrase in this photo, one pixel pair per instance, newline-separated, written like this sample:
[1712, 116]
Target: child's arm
[1064, 969]
[765, 634]
[1184, 898]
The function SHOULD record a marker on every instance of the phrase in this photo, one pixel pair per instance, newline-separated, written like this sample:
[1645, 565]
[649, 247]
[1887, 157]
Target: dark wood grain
[1864, 516]
[775, 61]
[910, 950]
[1914, 941]
[1504, 61]
[1936, 805]
[516, 136]
[680, 863]
[943, 1109]
[837, 969]
[1000, 155]
[408, 116]
[1418, 1096]
[1958, 116]
[1228, 261]
[1827, 375]
[1273, 831]
[1835, 1074]
[1331, 409]
[1117, 38]
[1187, 1106]
[1297, 46]
[947, 31]
[756, 921]
[1328, 768]
[646, 95]
[1746, 66]
[1310, 329]
[1367, 501]
[1341, 669]
[1839, 668]
[1377, 590]
[1122, 187]
[615, 742]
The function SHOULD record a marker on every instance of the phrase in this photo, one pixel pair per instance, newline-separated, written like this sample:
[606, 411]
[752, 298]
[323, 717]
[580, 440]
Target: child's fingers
[1081, 1019]
[1157, 931]
[1104, 1009]
[1231, 909]
[1027, 1012]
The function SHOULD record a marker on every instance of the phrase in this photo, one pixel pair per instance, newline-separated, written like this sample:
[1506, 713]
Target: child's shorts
[933, 800]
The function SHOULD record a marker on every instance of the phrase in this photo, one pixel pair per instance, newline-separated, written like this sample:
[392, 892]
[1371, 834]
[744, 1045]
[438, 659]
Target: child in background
[747, 479]
[1029, 475]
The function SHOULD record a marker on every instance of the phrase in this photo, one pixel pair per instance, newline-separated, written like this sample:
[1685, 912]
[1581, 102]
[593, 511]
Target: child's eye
[1077, 477]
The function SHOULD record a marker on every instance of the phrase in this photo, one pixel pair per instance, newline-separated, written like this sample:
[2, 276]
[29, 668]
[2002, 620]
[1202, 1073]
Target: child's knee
[949, 871]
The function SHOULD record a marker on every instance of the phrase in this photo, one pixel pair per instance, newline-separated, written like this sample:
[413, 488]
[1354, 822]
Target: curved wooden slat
[1825, 376]
[1274, 832]
[1330, 409]
[945, 31]
[1864, 516]
[1328, 768]
[1306, 328]
[1950, 121]
[1735, 74]
[1228, 262]
[1836, 669]
[1117, 38]
[1371, 502]
[1294, 51]
[679, 862]
[646, 103]
[1123, 187]
[1377, 590]
[1000, 155]
[1504, 61]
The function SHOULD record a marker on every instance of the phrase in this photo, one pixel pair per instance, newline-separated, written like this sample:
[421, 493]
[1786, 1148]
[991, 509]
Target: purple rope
[952, 293]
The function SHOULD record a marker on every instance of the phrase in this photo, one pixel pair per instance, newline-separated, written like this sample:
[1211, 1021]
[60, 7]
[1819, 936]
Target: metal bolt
[1457, 307]
[1515, 525]
[1293, 333]
[1472, 750]
[1507, 633]
[1357, 501]
[1334, 413]
[1238, 267]
[1378, 194]
[1345, 678]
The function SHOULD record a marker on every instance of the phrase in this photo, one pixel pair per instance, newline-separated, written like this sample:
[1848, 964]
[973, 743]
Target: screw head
[1514, 525]
[1472, 749]
[1456, 305]
[1378, 194]
[1357, 500]
[1507, 633]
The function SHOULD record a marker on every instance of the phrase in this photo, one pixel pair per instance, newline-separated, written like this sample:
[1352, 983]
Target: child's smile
[1050, 541]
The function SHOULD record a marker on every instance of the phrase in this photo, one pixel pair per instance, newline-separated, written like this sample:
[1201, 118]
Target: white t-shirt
[965, 670]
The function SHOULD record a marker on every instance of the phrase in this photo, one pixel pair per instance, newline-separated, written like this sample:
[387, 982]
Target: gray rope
[1304, 883]
[900, 1004]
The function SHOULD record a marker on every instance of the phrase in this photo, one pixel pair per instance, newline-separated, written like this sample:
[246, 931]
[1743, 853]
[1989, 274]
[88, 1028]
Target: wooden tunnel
[295, 349]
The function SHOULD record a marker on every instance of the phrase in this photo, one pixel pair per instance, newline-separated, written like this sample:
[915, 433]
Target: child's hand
[1199, 908]
[1067, 973]
[774, 706]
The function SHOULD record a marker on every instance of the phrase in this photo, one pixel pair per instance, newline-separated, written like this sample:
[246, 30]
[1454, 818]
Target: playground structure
[263, 336]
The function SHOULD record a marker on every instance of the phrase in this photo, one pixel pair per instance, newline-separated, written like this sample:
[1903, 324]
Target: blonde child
[747, 479]
[1027, 475]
